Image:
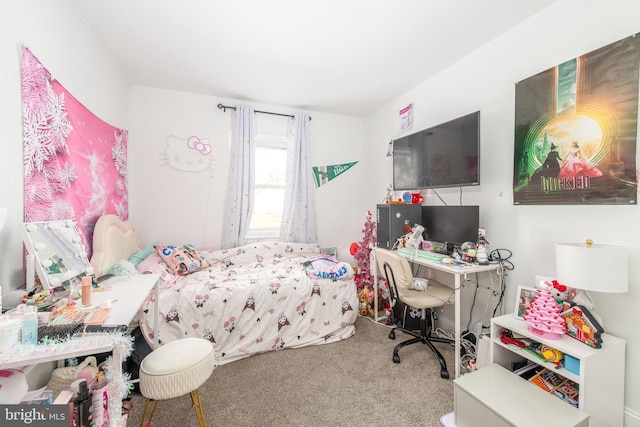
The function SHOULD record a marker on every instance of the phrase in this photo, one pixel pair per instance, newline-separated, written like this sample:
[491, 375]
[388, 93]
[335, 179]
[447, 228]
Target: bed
[246, 300]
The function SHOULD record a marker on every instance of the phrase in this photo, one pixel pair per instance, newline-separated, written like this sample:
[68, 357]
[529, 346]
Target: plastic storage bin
[572, 364]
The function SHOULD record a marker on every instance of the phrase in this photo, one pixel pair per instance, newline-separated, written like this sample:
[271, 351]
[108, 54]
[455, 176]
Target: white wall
[485, 81]
[57, 36]
[180, 207]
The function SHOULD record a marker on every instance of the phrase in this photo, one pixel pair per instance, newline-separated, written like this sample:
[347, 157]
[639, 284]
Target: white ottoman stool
[175, 369]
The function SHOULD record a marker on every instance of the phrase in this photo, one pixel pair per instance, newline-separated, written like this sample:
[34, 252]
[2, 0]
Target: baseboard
[631, 418]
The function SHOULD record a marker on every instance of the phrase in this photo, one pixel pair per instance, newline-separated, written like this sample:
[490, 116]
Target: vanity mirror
[55, 252]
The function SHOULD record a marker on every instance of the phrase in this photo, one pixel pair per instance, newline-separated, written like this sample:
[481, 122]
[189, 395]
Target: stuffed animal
[365, 297]
[362, 298]
[370, 305]
[559, 291]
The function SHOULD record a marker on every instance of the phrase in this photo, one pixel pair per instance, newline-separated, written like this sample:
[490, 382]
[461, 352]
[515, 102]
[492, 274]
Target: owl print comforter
[254, 299]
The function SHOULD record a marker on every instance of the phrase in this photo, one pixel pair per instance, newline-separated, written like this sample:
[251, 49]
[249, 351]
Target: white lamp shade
[597, 268]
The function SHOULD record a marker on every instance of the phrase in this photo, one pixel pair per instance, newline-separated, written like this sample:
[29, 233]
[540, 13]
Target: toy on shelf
[581, 324]
[552, 355]
[561, 387]
[534, 349]
[507, 338]
[560, 292]
[543, 316]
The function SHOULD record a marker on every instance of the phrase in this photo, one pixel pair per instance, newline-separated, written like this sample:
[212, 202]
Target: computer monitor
[453, 225]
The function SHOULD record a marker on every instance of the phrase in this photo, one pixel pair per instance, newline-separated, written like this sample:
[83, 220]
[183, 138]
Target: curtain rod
[224, 109]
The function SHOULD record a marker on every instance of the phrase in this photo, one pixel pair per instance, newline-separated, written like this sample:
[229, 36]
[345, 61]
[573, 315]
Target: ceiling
[347, 57]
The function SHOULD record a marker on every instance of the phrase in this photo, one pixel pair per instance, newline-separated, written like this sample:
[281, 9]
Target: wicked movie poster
[575, 130]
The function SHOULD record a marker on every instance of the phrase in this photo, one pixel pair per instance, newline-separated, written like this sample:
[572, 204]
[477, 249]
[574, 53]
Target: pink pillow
[182, 260]
[155, 265]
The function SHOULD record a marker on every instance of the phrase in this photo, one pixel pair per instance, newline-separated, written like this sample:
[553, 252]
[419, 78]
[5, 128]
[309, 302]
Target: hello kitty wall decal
[204, 147]
[192, 154]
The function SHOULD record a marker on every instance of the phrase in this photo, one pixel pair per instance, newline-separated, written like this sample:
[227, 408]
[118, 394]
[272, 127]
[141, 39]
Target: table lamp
[592, 267]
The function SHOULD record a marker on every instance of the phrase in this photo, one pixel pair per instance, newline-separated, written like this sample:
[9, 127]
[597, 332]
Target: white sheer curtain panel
[239, 200]
[299, 213]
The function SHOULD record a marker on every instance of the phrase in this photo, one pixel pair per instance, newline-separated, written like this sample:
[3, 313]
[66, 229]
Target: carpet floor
[350, 383]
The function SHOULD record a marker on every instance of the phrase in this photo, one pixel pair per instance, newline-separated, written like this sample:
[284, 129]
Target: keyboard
[49, 333]
[421, 253]
[432, 255]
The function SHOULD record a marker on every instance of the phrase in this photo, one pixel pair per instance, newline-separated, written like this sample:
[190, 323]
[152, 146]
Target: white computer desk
[458, 274]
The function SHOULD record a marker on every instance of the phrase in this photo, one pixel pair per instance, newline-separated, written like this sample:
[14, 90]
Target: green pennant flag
[324, 174]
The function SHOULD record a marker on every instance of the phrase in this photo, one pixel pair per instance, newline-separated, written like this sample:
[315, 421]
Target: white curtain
[299, 214]
[239, 200]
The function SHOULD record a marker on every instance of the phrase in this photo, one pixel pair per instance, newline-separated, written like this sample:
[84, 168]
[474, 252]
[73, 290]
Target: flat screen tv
[446, 155]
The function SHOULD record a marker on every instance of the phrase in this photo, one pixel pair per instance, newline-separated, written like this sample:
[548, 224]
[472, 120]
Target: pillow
[182, 260]
[123, 268]
[155, 265]
[143, 253]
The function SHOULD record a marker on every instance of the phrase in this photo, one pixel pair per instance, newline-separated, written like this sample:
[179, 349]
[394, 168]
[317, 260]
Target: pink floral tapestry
[75, 164]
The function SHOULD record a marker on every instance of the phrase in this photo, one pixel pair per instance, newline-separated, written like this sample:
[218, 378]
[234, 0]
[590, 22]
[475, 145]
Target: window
[270, 173]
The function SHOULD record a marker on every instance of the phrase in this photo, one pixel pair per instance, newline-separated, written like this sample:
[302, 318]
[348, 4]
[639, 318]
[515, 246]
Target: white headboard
[113, 241]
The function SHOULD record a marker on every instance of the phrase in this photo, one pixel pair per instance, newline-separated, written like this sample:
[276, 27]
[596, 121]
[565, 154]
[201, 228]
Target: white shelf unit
[601, 371]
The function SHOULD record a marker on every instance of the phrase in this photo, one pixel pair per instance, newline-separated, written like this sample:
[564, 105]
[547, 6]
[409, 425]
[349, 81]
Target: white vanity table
[126, 293]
